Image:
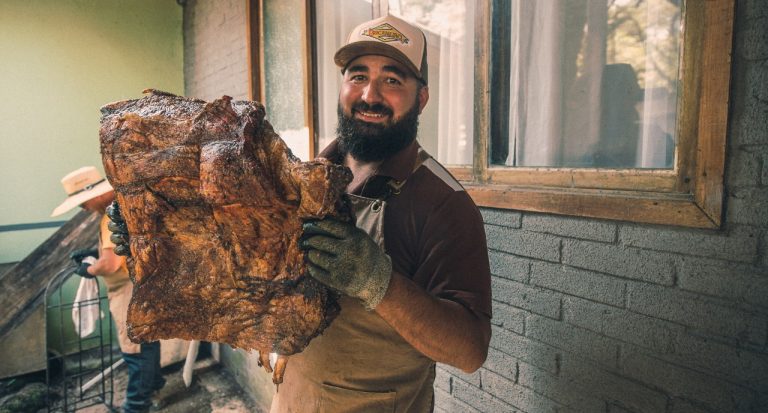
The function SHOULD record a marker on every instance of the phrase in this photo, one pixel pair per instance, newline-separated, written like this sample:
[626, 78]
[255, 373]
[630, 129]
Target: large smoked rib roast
[214, 201]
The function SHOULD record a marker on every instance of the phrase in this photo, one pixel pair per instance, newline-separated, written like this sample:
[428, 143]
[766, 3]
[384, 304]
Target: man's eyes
[393, 81]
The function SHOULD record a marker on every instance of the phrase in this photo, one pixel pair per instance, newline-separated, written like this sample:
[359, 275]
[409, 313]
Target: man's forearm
[440, 329]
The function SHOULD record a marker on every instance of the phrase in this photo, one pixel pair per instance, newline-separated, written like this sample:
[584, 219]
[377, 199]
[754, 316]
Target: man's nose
[371, 93]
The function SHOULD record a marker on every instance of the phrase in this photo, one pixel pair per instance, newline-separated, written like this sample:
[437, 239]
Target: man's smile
[372, 117]
[372, 114]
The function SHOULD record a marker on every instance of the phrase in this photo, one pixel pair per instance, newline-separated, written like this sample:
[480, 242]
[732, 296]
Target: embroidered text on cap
[385, 33]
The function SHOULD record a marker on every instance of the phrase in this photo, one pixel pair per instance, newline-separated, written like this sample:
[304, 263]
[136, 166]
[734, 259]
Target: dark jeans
[144, 377]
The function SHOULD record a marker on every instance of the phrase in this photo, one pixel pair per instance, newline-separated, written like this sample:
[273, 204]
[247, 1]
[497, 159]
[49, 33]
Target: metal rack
[79, 371]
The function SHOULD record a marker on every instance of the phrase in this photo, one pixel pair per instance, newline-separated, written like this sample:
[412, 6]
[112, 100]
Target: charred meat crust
[214, 201]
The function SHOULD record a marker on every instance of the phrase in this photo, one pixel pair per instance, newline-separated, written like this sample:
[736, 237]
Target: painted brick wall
[595, 316]
[600, 316]
[215, 59]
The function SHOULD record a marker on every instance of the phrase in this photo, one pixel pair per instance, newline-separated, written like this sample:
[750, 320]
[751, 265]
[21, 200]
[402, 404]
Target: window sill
[642, 207]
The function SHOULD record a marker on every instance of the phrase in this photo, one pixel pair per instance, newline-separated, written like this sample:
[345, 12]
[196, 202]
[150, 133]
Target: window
[586, 83]
[611, 109]
[646, 187]
[280, 60]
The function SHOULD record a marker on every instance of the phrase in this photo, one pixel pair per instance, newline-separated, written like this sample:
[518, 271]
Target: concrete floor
[212, 390]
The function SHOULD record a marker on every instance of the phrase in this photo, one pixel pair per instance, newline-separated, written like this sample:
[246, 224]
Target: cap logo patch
[385, 33]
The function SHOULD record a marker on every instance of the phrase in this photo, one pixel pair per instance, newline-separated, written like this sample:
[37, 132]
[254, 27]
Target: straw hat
[387, 36]
[80, 186]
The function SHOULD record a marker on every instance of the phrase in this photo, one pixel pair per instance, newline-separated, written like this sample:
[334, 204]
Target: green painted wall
[60, 61]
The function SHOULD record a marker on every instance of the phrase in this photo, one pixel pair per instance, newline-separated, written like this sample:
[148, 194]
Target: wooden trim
[713, 109]
[482, 106]
[688, 106]
[654, 180]
[254, 49]
[310, 76]
[462, 173]
[691, 195]
[650, 208]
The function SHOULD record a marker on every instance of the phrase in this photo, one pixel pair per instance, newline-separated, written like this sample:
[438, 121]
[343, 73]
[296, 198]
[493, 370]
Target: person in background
[87, 189]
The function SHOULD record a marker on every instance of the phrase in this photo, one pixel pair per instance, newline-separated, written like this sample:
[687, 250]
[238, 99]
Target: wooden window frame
[691, 194]
[254, 25]
[254, 11]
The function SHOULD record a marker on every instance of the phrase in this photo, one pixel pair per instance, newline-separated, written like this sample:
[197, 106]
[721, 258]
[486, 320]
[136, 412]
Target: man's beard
[370, 142]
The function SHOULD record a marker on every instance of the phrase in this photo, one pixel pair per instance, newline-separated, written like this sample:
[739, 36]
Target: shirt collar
[399, 166]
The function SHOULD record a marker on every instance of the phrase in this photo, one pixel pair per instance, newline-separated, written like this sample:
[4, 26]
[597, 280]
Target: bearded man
[413, 271]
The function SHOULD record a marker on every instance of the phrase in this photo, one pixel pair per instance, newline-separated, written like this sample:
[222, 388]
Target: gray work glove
[345, 258]
[119, 230]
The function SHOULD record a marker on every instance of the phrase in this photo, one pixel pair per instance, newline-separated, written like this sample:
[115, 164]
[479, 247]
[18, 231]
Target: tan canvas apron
[360, 363]
[118, 307]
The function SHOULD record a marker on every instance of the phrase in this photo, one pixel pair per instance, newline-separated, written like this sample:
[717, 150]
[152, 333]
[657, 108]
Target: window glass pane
[591, 83]
[446, 124]
[334, 20]
[284, 72]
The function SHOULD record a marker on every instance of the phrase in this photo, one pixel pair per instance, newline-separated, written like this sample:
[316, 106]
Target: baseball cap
[387, 36]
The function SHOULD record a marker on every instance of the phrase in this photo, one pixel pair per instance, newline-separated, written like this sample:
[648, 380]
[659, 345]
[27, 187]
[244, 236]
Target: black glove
[119, 230]
[77, 255]
[346, 258]
[82, 270]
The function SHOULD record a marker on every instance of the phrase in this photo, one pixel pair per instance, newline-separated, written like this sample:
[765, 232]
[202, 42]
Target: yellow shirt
[119, 291]
[120, 277]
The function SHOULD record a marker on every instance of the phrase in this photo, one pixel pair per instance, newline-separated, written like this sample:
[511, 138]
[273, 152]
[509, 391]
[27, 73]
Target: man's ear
[423, 98]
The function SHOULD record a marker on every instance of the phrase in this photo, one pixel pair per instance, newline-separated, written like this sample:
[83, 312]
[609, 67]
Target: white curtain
[446, 125]
[455, 120]
[557, 58]
[659, 106]
[571, 104]
[335, 19]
